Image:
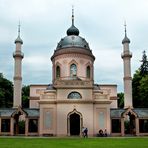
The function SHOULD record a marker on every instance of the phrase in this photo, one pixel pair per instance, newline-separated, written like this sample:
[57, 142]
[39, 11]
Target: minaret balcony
[18, 54]
[126, 54]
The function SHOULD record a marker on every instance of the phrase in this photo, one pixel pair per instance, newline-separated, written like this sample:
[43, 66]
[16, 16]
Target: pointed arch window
[58, 72]
[88, 72]
[73, 70]
[74, 95]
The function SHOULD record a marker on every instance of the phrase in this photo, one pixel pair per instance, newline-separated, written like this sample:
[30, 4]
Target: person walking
[86, 133]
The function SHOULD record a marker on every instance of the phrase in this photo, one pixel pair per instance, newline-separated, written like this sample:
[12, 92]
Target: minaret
[126, 56]
[18, 56]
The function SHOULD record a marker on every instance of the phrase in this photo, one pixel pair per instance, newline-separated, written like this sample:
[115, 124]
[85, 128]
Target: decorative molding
[73, 50]
[72, 84]
[34, 98]
[113, 98]
[74, 55]
[76, 101]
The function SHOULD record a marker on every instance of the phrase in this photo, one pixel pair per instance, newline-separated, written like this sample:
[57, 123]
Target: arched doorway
[74, 124]
[19, 121]
[129, 122]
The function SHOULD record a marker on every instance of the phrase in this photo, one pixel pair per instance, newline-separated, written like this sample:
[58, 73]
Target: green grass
[27, 142]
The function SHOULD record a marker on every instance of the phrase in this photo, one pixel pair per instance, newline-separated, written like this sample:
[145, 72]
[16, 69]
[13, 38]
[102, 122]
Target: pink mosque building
[73, 100]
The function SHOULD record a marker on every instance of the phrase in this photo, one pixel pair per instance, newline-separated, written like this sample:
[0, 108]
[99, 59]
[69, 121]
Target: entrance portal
[74, 124]
[129, 124]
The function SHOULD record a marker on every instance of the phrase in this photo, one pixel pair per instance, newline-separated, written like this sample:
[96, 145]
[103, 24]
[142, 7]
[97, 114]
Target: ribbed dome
[72, 31]
[73, 41]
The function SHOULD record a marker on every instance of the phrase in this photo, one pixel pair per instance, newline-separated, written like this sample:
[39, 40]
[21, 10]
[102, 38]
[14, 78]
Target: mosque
[73, 100]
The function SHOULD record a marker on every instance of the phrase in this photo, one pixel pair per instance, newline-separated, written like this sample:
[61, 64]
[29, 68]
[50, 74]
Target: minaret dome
[18, 39]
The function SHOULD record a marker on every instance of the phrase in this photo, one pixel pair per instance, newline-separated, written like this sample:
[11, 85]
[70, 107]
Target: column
[11, 126]
[68, 130]
[0, 126]
[137, 126]
[122, 127]
[26, 126]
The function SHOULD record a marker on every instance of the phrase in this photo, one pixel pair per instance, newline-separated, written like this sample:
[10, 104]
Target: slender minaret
[126, 56]
[18, 56]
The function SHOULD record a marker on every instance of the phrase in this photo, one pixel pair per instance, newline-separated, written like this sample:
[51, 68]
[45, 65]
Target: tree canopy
[6, 93]
[140, 84]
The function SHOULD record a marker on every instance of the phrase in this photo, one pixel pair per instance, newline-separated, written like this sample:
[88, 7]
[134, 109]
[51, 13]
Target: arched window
[88, 72]
[74, 95]
[73, 70]
[57, 71]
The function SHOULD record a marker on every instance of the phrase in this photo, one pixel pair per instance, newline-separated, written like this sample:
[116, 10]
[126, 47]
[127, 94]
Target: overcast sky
[44, 23]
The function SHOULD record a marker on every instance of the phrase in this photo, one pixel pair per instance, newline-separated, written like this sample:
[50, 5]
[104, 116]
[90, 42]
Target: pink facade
[73, 100]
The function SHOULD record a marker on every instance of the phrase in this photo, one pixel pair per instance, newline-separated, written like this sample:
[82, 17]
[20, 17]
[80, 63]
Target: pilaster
[122, 127]
[11, 126]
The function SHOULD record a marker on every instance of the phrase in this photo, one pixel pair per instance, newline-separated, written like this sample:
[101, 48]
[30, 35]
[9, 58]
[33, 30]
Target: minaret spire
[18, 56]
[125, 27]
[126, 39]
[19, 26]
[19, 40]
[126, 56]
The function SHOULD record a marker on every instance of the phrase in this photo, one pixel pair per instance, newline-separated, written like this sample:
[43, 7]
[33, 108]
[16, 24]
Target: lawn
[27, 142]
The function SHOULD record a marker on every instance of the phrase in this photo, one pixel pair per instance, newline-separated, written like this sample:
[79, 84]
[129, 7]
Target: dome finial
[125, 27]
[19, 40]
[19, 26]
[126, 39]
[72, 15]
[73, 30]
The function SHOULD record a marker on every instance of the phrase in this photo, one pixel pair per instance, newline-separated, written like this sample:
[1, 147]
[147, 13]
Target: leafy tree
[143, 88]
[135, 84]
[144, 65]
[6, 92]
[25, 96]
[120, 100]
[140, 84]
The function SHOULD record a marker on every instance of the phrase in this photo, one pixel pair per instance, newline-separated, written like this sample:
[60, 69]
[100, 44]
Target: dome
[72, 41]
[72, 31]
[18, 40]
[125, 40]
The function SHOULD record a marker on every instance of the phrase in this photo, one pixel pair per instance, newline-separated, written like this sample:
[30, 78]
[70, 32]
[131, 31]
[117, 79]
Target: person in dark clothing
[101, 133]
[105, 133]
[86, 133]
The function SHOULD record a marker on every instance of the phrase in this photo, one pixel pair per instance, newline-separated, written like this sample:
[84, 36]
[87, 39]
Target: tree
[143, 89]
[25, 96]
[140, 84]
[6, 92]
[120, 100]
[144, 66]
